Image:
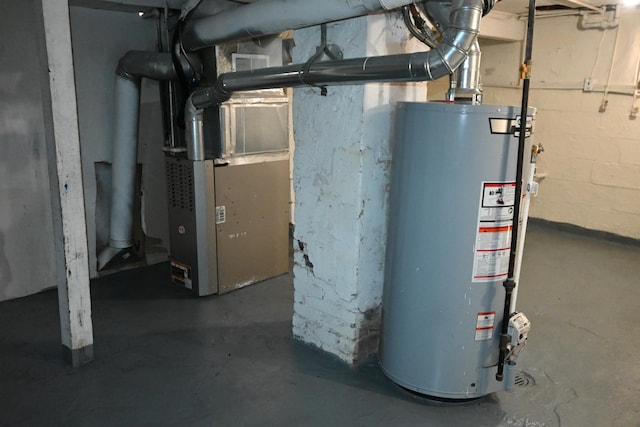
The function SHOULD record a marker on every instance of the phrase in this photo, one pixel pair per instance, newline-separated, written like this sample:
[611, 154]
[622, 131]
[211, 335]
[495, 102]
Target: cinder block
[621, 223]
[626, 200]
[630, 150]
[616, 175]
[594, 218]
[585, 194]
[565, 168]
[584, 147]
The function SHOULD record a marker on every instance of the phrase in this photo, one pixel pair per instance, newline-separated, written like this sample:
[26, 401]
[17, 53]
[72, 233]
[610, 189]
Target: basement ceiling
[142, 5]
[518, 7]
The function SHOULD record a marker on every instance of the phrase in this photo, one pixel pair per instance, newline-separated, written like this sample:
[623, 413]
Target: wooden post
[65, 164]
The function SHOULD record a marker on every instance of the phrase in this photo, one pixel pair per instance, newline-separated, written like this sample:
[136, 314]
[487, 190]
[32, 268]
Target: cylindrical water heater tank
[450, 222]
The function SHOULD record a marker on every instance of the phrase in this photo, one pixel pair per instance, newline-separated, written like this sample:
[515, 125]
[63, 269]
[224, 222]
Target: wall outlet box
[588, 84]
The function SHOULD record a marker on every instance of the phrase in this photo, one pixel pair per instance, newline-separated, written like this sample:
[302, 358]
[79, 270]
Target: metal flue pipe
[467, 75]
[267, 17]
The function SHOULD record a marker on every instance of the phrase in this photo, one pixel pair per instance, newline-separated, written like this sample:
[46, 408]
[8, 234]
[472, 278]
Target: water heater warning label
[484, 325]
[493, 231]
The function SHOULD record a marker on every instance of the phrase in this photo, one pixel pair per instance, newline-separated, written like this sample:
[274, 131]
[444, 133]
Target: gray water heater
[451, 217]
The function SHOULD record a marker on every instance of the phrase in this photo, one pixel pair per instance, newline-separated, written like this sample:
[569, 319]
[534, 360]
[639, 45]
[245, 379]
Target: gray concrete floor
[165, 358]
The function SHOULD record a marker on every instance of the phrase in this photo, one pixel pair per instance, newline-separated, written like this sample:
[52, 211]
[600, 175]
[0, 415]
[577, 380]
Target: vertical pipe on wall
[132, 67]
[124, 161]
[123, 169]
[526, 203]
[510, 284]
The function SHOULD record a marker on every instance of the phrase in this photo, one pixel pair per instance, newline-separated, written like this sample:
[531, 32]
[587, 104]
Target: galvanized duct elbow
[457, 39]
[136, 64]
[467, 75]
[267, 17]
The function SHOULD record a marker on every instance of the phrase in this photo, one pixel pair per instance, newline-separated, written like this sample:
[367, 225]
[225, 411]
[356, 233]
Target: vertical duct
[132, 67]
[468, 77]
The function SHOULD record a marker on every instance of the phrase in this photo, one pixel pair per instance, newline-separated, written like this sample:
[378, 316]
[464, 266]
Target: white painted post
[73, 290]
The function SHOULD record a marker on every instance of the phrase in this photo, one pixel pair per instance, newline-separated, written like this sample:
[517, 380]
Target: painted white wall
[341, 174]
[100, 39]
[592, 158]
[27, 251]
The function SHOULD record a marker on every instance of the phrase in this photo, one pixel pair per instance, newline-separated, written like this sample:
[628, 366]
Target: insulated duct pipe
[457, 40]
[136, 64]
[132, 67]
[267, 17]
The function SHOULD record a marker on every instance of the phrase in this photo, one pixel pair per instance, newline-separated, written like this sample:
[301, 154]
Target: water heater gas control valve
[519, 327]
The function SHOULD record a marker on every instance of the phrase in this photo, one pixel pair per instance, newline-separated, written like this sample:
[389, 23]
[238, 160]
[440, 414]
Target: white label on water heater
[493, 231]
[485, 325]
[221, 214]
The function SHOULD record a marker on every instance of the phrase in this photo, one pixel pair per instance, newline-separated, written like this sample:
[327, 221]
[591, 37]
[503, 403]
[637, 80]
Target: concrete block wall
[27, 250]
[341, 174]
[591, 166]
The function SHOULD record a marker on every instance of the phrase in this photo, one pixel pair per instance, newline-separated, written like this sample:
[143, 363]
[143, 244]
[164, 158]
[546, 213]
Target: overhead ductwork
[458, 22]
[458, 39]
[267, 17]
